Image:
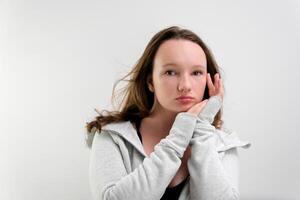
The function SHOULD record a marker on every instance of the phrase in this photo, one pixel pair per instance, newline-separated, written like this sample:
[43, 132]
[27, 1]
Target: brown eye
[197, 73]
[170, 72]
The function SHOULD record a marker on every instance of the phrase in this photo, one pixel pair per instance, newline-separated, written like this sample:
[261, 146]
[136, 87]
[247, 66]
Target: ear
[150, 84]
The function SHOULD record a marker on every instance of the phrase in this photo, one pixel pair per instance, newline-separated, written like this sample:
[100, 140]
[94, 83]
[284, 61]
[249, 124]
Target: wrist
[211, 108]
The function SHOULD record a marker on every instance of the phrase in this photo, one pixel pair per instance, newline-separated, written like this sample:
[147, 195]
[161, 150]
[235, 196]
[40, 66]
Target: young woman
[167, 141]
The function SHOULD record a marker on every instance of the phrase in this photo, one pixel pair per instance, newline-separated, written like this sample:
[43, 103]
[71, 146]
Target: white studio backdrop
[59, 60]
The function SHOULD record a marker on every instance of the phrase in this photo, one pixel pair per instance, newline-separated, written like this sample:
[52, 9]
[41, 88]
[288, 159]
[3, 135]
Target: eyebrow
[174, 64]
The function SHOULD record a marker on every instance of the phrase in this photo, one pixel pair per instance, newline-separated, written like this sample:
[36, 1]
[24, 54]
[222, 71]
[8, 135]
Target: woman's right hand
[197, 108]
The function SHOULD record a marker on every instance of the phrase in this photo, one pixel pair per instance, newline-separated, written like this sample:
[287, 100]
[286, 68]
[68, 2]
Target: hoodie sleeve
[211, 177]
[109, 179]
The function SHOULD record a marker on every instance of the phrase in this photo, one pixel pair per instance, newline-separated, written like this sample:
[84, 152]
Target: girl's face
[179, 70]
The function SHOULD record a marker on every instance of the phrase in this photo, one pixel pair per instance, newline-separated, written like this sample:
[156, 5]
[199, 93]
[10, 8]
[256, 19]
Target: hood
[123, 129]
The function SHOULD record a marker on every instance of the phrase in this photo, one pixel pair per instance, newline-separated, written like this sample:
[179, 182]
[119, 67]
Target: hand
[216, 88]
[197, 108]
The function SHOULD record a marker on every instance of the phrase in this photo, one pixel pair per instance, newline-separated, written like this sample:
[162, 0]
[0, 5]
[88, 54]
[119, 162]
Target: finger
[201, 105]
[219, 82]
[204, 102]
[221, 89]
[210, 85]
[216, 81]
[221, 85]
[195, 109]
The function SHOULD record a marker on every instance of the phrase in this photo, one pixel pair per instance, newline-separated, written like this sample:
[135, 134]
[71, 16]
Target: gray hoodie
[121, 170]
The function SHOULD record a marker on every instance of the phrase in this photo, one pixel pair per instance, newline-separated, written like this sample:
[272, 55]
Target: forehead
[180, 52]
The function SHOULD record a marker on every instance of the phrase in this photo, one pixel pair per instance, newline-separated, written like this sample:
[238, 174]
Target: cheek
[164, 89]
[203, 83]
[200, 86]
[166, 85]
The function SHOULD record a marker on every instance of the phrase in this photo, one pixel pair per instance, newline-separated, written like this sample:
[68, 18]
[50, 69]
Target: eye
[197, 73]
[170, 72]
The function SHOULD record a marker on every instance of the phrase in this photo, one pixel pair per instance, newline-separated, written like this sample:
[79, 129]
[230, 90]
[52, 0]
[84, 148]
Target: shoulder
[110, 131]
[228, 139]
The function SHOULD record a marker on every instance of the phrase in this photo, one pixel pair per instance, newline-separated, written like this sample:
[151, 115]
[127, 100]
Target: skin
[214, 89]
[187, 75]
[183, 77]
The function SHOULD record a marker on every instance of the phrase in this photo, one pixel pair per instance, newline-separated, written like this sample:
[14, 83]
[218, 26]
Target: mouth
[185, 99]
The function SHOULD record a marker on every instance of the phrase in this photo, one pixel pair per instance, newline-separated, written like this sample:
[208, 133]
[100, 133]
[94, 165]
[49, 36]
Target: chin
[177, 109]
[182, 109]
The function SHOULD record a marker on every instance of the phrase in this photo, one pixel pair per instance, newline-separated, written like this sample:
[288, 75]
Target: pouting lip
[184, 97]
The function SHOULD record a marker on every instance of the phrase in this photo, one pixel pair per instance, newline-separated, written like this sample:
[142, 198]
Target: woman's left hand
[215, 88]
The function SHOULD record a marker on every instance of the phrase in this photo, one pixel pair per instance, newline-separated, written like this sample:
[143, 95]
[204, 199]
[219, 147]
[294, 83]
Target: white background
[59, 60]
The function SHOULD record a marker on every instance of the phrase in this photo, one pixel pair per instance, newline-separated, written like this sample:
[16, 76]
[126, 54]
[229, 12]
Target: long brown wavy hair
[136, 98]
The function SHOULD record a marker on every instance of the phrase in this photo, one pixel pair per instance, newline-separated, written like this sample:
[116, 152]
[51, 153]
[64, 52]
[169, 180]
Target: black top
[170, 192]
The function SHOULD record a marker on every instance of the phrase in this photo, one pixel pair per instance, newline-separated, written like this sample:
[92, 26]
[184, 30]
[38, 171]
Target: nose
[184, 84]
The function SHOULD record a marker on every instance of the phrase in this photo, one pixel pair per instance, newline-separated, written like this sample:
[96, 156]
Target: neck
[163, 120]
